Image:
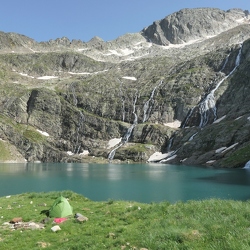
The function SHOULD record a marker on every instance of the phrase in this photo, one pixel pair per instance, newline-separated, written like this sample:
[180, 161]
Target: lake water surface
[134, 182]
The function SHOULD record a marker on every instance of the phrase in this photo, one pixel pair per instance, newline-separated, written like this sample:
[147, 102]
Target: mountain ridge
[67, 101]
[190, 24]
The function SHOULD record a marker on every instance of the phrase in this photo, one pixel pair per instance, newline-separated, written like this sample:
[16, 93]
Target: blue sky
[43, 20]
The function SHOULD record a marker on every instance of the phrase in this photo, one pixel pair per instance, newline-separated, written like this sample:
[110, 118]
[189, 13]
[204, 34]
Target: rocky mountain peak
[192, 24]
[12, 40]
[96, 39]
[64, 41]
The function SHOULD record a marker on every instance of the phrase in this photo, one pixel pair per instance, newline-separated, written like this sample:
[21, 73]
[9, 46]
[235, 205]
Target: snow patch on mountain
[132, 78]
[174, 124]
[46, 77]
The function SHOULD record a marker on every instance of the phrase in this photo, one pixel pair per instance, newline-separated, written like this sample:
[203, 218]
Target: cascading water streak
[209, 102]
[225, 63]
[113, 151]
[170, 144]
[188, 117]
[192, 137]
[77, 146]
[247, 165]
[122, 99]
[147, 108]
[127, 134]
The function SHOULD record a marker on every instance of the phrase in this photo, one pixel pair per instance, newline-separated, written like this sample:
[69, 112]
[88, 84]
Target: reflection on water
[140, 182]
[230, 177]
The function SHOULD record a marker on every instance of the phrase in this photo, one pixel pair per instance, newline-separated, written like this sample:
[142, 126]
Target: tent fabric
[60, 208]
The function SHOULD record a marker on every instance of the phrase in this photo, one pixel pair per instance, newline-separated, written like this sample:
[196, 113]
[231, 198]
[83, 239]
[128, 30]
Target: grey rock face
[192, 24]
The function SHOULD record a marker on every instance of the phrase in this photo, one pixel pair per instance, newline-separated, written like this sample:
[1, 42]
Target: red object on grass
[59, 220]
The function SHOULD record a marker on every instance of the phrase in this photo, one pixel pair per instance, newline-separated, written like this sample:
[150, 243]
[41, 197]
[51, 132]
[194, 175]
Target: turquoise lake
[134, 182]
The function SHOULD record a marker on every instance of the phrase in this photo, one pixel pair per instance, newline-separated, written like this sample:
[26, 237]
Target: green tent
[60, 208]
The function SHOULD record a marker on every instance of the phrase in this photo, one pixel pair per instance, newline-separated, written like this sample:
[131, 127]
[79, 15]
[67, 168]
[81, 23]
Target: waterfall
[204, 107]
[207, 105]
[123, 101]
[147, 108]
[188, 117]
[123, 110]
[129, 131]
[237, 61]
[192, 137]
[113, 151]
[170, 156]
[127, 134]
[77, 146]
[225, 63]
[247, 165]
[79, 127]
[209, 101]
[170, 144]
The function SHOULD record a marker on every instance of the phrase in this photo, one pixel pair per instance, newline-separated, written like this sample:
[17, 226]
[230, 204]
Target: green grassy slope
[205, 224]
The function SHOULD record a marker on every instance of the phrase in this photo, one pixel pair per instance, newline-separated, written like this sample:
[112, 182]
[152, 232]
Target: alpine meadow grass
[205, 224]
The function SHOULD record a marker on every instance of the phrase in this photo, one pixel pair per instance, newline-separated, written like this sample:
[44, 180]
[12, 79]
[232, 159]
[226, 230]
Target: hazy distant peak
[95, 39]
